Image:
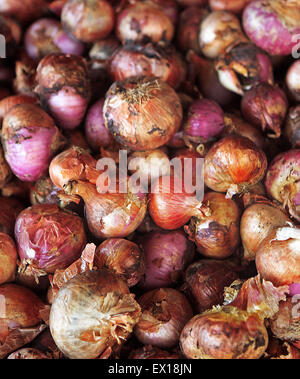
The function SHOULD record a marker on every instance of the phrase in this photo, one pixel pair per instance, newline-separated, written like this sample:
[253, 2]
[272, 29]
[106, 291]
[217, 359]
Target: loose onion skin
[106, 311]
[23, 11]
[153, 352]
[161, 321]
[88, 21]
[167, 254]
[216, 236]
[8, 258]
[233, 163]
[30, 139]
[292, 80]
[160, 61]
[292, 126]
[228, 333]
[123, 257]
[142, 113]
[49, 238]
[144, 22]
[275, 254]
[9, 210]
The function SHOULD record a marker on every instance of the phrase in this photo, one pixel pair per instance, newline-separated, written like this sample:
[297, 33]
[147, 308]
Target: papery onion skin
[228, 333]
[8, 258]
[275, 254]
[153, 352]
[265, 106]
[28, 353]
[64, 88]
[235, 6]
[143, 22]
[142, 113]
[123, 257]
[9, 102]
[48, 237]
[216, 236]
[23, 11]
[292, 80]
[232, 163]
[272, 24]
[165, 311]
[106, 311]
[9, 210]
[30, 139]
[163, 62]
[292, 127]
[167, 254]
[88, 21]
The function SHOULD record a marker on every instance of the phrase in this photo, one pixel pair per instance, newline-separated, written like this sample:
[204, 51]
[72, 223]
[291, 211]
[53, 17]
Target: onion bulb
[8, 258]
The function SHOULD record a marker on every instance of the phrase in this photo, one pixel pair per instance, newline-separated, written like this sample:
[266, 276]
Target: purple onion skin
[205, 120]
[96, 134]
[264, 28]
[294, 289]
[47, 36]
[167, 254]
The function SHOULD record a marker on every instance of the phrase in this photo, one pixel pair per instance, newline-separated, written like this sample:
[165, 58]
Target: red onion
[96, 133]
[235, 6]
[153, 352]
[9, 102]
[167, 254]
[8, 258]
[265, 106]
[144, 22]
[292, 126]
[92, 314]
[205, 121]
[292, 80]
[123, 257]
[9, 210]
[165, 311]
[47, 36]
[24, 11]
[88, 21]
[104, 49]
[243, 66]
[30, 139]
[64, 88]
[189, 159]
[48, 238]
[271, 24]
[28, 353]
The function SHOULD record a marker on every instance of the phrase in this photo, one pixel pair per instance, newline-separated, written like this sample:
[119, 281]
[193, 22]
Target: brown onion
[165, 311]
[123, 257]
[8, 258]
[205, 280]
[92, 314]
[142, 113]
[292, 127]
[9, 210]
[232, 164]
[225, 333]
[9, 102]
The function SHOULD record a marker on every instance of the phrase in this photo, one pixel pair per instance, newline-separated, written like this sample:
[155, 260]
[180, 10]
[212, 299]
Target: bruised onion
[92, 314]
[216, 235]
[30, 139]
[160, 61]
[232, 164]
[165, 311]
[265, 106]
[235, 6]
[88, 21]
[225, 333]
[123, 257]
[48, 238]
[8, 258]
[166, 254]
[28, 353]
[9, 102]
[9, 210]
[153, 352]
[292, 80]
[24, 11]
[292, 126]
[144, 22]
[64, 88]
[142, 113]
[272, 25]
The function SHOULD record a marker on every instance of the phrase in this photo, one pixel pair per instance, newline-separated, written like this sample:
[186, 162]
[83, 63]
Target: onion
[218, 31]
[44, 192]
[123, 257]
[265, 106]
[257, 222]
[144, 22]
[281, 350]
[189, 159]
[10, 30]
[277, 258]
[30, 139]
[282, 180]
[88, 21]
[92, 314]
[160, 61]
[28, 353]
[272, 24]
[9, 210]
[24, 82]
[8, 258]
[24, 11]
[48, 238]
[292, 126]
[235, 6]
[47, 36]
[5, 171]
[216, 236]
[167, 255]
[9, 102]
[103, 50]
[225, 333]
[169, 7]
[56, 6]
[165, 311]
[292, 80]
[64, 88]
[232, 164]
[153, 352]
[243, 66]
[142, 113]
